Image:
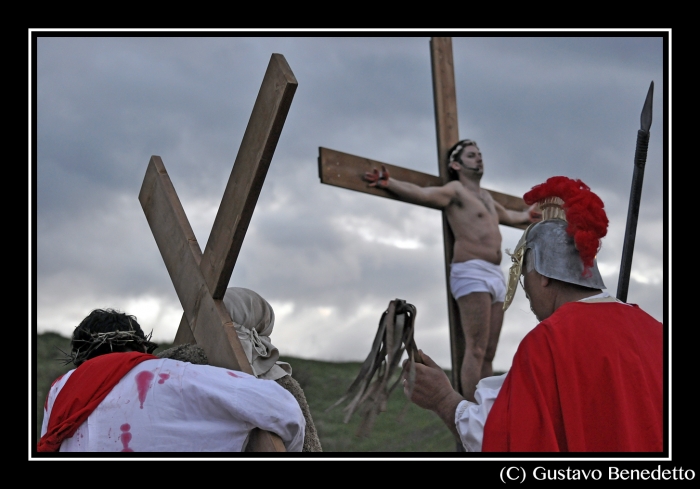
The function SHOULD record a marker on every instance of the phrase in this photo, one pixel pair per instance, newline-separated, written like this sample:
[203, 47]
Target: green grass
[323, 383]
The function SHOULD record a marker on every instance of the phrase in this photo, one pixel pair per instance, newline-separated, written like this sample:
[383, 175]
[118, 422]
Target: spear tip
[646, 110]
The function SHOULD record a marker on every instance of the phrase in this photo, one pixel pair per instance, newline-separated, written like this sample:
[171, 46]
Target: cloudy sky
[329, 260]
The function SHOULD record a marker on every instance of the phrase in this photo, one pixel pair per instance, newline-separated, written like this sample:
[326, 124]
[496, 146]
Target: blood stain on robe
[125, 437]
[163, 378]
[143, 383]
[59, 378]
[233, 375]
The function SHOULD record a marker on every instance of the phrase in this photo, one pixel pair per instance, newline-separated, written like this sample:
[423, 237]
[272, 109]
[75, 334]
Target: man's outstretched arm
[510, 217]
[439, 197]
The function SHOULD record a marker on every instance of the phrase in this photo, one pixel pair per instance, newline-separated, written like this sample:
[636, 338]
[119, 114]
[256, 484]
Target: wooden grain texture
[178, 247]
[445, 99]
[208, 320]
[184, 334]
[447, 133]
[205, 320]
[248, 174]
[245, 181]
[345, 170]
[264, 441]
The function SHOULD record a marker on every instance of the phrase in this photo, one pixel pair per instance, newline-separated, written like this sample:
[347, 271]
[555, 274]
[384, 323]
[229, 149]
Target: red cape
[87, 386]
[587, 379]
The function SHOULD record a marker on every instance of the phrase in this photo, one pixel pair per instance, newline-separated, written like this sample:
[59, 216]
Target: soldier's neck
[571, 294]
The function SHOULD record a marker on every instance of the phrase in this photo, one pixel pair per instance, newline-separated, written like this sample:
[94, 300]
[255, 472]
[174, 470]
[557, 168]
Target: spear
[640, 159]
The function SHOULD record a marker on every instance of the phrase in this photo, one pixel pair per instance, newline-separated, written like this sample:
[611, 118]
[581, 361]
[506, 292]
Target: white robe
[166, 405]
[470, 417]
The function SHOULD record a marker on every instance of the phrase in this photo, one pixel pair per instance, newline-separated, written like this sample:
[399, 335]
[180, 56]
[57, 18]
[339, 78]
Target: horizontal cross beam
[346, 171]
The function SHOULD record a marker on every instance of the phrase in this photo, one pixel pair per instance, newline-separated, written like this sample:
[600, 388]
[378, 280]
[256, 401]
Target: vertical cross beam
[447, 131]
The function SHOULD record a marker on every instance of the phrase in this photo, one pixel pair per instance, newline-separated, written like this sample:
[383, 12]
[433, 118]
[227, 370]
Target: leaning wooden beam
[210, 323]
[248, 174]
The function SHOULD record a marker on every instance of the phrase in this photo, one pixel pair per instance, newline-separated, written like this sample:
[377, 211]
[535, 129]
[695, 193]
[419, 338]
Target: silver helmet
[555, 253]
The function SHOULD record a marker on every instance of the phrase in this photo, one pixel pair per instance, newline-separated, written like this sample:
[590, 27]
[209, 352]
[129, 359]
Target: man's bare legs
[494, 334]
[475, 312]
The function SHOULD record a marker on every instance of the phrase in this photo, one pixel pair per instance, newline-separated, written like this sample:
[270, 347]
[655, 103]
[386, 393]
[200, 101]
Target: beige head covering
[254, 319]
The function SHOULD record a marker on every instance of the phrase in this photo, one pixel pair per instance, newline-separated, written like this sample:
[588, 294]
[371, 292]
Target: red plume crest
[588, 222]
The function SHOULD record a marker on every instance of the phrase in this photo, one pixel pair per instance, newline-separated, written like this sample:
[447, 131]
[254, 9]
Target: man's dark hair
[107, 331]
[454, 153]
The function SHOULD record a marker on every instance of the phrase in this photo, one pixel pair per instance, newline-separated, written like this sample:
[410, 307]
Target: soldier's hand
[431, 383]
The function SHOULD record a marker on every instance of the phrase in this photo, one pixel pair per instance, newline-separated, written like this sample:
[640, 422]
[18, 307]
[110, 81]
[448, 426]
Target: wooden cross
[346, 170]
[201, 279]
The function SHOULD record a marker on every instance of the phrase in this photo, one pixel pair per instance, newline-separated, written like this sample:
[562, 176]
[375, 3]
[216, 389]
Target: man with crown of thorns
[589, 376]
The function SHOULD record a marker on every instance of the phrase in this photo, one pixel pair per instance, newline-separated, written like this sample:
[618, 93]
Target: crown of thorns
[84, 348]
[459, 147]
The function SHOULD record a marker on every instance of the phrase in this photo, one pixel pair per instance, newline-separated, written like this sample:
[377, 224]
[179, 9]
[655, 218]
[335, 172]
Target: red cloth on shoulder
[87, 386]
[587, 379]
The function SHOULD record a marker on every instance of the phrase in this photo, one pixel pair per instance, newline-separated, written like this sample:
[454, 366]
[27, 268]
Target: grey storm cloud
[328, 259]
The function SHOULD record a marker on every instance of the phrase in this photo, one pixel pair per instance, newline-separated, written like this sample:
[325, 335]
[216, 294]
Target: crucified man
[476, 280]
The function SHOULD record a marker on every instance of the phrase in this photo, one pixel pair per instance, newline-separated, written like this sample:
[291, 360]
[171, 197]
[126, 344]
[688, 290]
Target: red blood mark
[163, 378]
[143, 382]
[59, 378]
[233, 375]
[125, 437]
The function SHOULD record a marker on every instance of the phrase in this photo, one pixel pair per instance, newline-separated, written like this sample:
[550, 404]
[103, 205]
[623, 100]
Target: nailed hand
[534, 213]
[377, 178]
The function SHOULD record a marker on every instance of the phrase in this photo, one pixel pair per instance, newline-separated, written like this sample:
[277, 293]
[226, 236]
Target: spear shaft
[640, 159]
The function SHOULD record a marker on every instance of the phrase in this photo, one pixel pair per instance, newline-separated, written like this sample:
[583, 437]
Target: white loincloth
[477, 276]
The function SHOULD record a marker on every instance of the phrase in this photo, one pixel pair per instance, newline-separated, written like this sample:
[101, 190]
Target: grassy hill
[323, 383]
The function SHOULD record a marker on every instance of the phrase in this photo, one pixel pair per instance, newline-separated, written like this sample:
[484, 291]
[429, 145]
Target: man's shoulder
[468, 190]
[452, 186]
[460, 191]
[581, 318]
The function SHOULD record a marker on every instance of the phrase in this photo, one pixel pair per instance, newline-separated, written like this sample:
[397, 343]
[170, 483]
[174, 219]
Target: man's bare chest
[473, 205]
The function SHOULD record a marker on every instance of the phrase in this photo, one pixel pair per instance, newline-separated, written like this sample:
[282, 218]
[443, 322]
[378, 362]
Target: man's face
[526, 281]
[471, 160]
[536, 293]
